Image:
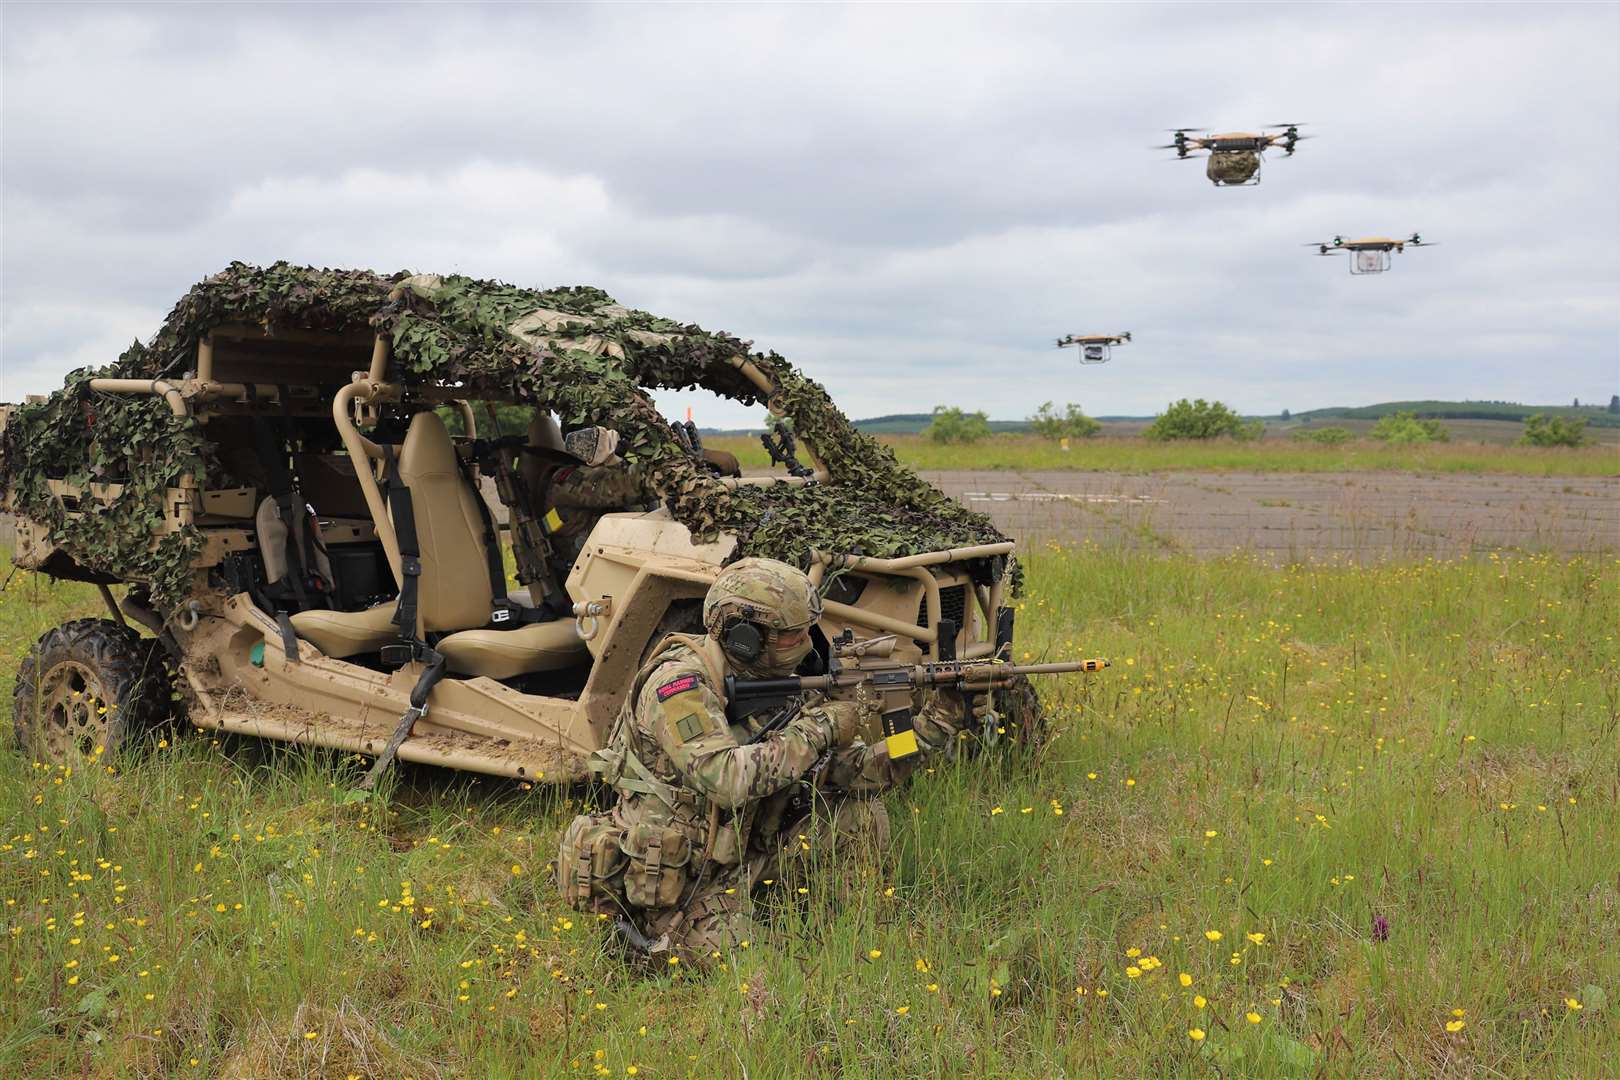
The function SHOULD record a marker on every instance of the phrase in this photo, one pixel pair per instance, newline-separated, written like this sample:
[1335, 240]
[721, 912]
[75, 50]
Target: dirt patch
[1298, 516]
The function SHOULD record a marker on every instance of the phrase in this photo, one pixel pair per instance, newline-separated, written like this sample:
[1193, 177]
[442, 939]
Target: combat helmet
[753, 605]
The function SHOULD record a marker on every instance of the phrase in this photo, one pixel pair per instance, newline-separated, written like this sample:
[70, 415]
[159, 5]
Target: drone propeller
[1126, 336]
[1298, 125]
[1189, 127]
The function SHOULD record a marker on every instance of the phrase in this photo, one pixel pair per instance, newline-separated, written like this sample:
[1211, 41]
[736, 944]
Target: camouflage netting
[573, 350]
[81, 436]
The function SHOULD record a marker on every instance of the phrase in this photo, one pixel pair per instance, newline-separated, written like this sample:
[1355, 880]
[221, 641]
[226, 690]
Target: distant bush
[1406, 429]
[1072, 423]
[952, 425]
[1202, 420]
[1554, 431]
[1328, 436]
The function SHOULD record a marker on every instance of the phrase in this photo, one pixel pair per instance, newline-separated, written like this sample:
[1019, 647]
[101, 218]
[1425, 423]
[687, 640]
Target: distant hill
[1595, 415]
[912, 423]
[893, 424]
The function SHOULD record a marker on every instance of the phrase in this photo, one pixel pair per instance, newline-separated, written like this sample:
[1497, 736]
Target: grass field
[1320, 821]
[1128, 453]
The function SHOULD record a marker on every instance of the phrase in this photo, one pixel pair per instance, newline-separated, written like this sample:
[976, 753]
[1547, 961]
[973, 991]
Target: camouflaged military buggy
[272, 482]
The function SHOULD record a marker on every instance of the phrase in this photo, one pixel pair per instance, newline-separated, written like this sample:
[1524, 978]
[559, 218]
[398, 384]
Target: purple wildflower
[1380, 928]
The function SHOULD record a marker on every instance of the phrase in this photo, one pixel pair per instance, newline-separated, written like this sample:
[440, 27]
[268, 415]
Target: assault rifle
[750, 697]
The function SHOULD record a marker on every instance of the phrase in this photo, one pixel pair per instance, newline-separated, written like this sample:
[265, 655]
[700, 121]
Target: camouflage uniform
[573, 480]
[705, 815]
[578, 496]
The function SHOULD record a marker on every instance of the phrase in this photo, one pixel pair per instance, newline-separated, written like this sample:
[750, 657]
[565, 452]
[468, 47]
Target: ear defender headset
[743, 640]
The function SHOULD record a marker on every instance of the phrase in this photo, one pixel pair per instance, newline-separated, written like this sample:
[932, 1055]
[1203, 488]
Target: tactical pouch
[660, 857]
[728, 845]
[591, 864]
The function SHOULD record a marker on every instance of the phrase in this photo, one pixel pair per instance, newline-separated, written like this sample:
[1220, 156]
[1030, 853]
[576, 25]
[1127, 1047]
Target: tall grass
[1391, 791]
[1127, 454]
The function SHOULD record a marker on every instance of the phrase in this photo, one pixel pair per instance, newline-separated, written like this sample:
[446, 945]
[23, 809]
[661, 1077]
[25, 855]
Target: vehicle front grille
[952, 598]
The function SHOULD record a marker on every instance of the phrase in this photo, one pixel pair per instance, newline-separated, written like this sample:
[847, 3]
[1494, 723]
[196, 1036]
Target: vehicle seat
[503, 654]
[347, 633]
[453, 594]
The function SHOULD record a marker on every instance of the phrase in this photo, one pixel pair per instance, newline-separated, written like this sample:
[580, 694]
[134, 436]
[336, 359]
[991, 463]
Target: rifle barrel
[970, 674]
[1057, 668]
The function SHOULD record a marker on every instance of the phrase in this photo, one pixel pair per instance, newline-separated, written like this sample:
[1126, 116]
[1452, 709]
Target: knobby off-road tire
[1021, 712]
[88, 683]
[683, 617]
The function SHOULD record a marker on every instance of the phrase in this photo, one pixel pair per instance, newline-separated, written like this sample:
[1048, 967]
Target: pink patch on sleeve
[677, 686]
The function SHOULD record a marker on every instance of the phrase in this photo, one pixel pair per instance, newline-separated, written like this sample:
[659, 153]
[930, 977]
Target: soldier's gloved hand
[937, 715]
[868, 699]
[592, 445]
[848, 721]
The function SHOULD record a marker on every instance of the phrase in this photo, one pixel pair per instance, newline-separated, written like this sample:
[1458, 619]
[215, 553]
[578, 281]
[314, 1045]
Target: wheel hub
[74, 715]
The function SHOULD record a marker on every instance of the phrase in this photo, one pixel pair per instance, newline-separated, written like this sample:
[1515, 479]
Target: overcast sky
[911, 202]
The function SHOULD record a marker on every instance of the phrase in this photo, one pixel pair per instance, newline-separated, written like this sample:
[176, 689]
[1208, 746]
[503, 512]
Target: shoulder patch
[689, 727]
[677, 686]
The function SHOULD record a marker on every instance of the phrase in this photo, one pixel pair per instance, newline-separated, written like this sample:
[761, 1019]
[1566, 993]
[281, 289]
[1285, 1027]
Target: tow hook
[588, 614]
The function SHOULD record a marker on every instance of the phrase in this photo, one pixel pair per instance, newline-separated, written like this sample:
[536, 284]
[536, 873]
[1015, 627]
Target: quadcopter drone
[1234, 158]
[1369, 254]
[1094, 348]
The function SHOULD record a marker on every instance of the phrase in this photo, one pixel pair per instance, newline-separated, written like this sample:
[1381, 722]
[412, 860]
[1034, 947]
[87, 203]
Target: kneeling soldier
[703, 808]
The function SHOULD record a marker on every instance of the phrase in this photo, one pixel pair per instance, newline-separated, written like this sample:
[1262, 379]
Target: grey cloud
[879, 192]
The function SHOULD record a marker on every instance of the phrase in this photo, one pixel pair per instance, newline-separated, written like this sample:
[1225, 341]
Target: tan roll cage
[916, 568]
[370, 388]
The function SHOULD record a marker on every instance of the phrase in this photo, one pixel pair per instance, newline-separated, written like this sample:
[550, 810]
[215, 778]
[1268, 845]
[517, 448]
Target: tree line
[1200, 419]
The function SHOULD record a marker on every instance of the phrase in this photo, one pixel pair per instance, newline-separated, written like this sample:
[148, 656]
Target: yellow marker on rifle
[898, 735]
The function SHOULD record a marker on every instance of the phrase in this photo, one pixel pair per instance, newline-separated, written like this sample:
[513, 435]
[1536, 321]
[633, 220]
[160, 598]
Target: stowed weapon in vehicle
[782, 697]
[530, 544]
[784, 450]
